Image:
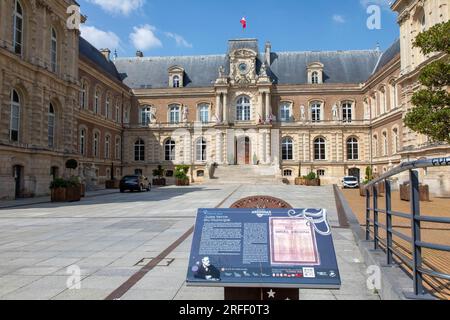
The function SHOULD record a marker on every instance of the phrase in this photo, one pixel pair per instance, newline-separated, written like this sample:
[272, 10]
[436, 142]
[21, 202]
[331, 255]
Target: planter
[405, 192]
[82, 190]
[380, 188]
[307, 182]
[181, 183]
[299, 181]
[159, 182]
[73, 194]
[58, 195]
[112, 184]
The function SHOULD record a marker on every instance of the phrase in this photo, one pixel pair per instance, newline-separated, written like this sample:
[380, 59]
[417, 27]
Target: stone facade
[286, 113]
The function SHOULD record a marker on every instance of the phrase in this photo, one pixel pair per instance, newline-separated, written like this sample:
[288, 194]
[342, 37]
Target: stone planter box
[405, 192]
[159, 182]
[58, 195]
[182, 183]
[112, 184]
[306, 182]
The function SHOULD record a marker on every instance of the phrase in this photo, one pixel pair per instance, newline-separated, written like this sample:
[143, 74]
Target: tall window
[169, 150]
[352, 149]
[107, 147]
[383, 100]
[95, 144]
[174, 114]
[395, 140]
[51, 126]
[15, 116]
[146, 116]
[139, 150]
[96, 101]
[385, 144]
[118, 149]
[117, 117]
[18, 28]
[107, 104]
[54, 50]
[176, 81]
[83, 95]
[316, 111]
[203, 113]
[287, 149]
[347, 112]
[375, 145]
[83, 142]
[315, 77]
[285, 112]
[200, 150]
[243, 109]
[393, 94]
[319, 149]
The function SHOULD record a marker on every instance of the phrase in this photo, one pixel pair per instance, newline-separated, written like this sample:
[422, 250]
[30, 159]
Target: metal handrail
[373, 224]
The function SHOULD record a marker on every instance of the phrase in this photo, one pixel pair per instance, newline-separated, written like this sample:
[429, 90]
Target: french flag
[244, 23]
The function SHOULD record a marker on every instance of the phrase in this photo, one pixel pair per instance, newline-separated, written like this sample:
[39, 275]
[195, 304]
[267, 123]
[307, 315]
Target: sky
[201, 27]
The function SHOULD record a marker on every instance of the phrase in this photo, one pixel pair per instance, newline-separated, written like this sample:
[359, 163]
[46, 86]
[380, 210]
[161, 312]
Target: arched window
[395, 140]
[347, 111]
[117, 117]
[96, 101]
[83, 95]
[139, 150]
[200, 150]
[169, 150]
[18, 28]
[315, 77]
[286, 112]
[95, 144]
[54, 50]
[385, 144]
[287, 149]
[319, 149]
[352, 149]
[146, 116]
[83, 142]
[375, 145]
[176, 81]
[393, 94]
[107, 104]
[203, 113]
[107, 147]
[51, 126]
[14, 126]
[174, 113]
[382, 100]
[118, 149]
[243, 109]
[316, 111]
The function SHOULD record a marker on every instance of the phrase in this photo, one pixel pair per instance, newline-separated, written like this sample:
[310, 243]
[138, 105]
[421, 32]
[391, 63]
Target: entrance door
[354, 172]
[18, 178]
[243, 150]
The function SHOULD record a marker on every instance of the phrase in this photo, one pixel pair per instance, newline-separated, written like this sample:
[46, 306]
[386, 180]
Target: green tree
[431, 113]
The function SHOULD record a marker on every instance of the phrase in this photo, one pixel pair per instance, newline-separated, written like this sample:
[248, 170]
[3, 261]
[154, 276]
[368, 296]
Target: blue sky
[191, 27]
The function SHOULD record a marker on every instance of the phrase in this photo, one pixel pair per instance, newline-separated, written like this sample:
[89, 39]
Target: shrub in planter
[310, 180]
[181, 175]
[65, 190]
[159, 173]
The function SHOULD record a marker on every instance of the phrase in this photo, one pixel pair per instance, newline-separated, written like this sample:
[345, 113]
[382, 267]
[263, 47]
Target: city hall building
[250, 112]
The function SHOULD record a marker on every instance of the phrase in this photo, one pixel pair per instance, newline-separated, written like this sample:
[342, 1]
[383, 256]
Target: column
[261, 147]
[225, 108]
[268, 106]
[231, 157]
[260, 114]
[275, 139]
[219, 148]
[218, 111]
[188, 148]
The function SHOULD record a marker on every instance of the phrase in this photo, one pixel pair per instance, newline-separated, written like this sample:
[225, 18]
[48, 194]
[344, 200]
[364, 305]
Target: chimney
[139, 54]
[267, 54]
[106, 52]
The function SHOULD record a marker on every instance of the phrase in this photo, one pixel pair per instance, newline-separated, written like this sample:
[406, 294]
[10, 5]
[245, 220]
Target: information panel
[285, 248]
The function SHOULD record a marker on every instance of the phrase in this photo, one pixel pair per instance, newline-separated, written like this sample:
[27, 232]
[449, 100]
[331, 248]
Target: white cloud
[99, 38]
[181, 42]
[144, 38]
[338, 18]
[385, 4]
[124, 7]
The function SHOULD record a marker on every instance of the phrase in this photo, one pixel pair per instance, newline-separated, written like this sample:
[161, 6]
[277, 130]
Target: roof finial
[115, 55]
[378, 46]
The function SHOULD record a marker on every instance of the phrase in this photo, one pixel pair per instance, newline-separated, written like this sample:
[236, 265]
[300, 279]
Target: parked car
[135, 183]
[350, 182]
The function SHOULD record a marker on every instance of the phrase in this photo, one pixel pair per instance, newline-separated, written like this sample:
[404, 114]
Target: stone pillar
[188, 148]
[218, 108]
[260, 112]
[219, 147]
[275, 141]
[261, 147]
[268, 106]
[231, 156]
[225, 108]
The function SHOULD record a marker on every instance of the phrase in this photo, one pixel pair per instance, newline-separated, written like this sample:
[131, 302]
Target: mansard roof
[89, 52]
[388, 55]
[352, 67]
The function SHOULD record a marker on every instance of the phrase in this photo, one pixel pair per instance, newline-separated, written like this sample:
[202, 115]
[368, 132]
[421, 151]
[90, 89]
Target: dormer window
[176, 75]
[315, 73]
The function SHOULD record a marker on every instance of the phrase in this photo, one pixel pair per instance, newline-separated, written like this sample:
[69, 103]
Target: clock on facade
[243, 68]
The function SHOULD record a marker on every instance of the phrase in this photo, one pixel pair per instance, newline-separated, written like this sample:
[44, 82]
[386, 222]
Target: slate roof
[351, 67]
[88, 51]
[388, 55]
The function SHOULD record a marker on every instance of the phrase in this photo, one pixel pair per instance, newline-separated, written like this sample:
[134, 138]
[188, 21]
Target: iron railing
[428, 279]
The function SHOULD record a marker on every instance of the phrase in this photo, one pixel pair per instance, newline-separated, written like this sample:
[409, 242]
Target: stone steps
[246, 175]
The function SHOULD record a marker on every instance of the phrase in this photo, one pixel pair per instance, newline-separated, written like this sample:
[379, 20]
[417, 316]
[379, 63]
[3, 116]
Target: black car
[135, 183]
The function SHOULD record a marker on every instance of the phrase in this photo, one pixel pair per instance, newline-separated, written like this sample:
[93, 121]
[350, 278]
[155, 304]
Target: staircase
[246, 174]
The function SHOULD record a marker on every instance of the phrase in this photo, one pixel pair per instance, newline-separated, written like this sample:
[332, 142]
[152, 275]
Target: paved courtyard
[108, 236]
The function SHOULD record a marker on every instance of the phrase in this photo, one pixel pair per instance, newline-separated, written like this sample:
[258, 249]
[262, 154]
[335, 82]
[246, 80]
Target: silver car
[350, 182]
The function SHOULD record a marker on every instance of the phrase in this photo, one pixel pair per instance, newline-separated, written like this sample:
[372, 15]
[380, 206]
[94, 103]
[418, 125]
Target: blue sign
[263, 248]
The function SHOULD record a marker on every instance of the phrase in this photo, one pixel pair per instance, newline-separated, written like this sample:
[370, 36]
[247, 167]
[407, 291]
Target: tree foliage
[431, 114]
